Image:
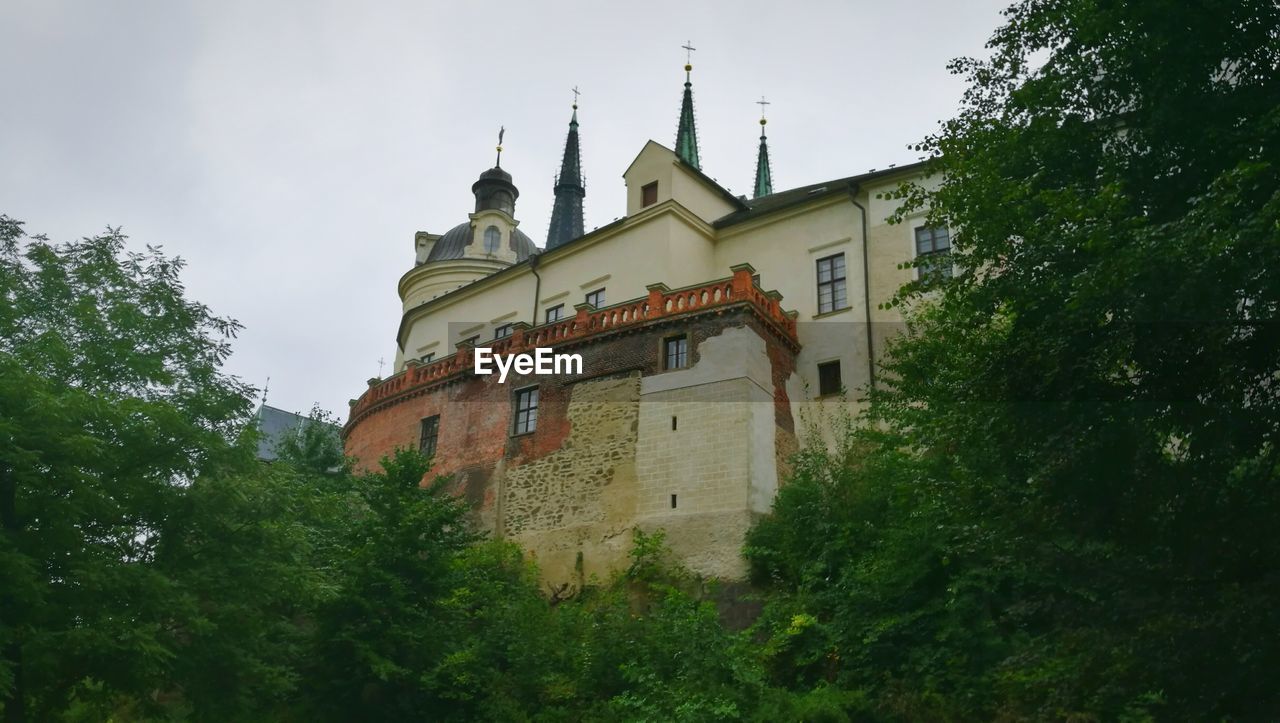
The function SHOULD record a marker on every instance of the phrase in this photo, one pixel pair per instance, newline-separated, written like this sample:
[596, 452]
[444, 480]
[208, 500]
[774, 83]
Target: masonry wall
[604, 458]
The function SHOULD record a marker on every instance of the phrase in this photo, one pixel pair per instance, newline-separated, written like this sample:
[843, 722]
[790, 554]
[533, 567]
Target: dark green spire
[566, 214]
[764, 175]
[687, 134]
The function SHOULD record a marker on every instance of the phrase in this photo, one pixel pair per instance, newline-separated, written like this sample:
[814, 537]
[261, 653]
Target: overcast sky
[289, 150]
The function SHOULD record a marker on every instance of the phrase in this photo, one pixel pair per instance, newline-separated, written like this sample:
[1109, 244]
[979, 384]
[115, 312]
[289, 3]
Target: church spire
[566, 214]
[764, 175]
[686, 134]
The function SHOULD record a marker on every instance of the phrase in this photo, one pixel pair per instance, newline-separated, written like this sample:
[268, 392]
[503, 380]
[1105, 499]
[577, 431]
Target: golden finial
[688, 55]
[762, 103]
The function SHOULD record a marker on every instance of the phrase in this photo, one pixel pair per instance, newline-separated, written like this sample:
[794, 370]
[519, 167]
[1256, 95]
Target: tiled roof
[757, 207]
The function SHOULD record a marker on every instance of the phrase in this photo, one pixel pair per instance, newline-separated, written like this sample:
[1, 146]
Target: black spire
[566, 215]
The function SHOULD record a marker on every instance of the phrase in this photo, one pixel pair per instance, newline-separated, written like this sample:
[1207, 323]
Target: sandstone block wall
[580, 498]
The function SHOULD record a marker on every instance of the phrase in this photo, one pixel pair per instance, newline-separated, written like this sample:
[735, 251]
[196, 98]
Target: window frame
[559, 309]
[502, 331]
[682, 354]
[497, 236]
[431, 424]
[601, 303]
[835, 284]
[529, 410]
[648, 194]
[839, 377]
[929, 264]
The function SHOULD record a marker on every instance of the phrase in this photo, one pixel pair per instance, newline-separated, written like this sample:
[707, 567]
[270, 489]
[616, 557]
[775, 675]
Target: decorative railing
[661, 302]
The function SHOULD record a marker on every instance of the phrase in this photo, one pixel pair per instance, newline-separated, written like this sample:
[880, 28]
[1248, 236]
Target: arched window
[492, 237]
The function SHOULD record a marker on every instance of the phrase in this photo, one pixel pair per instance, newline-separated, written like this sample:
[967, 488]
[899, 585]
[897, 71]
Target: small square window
[428, 434]
[649, 194]
[829, 378]
[526, 410]
[502, 331]
[596, 298]
[555, 313]
[676, 352]
[428, 357]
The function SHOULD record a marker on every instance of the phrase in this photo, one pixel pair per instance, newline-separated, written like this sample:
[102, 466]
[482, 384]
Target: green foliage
[110, 398]
[1061, 505]
[385, 627]
[255, 556]
[317, 446]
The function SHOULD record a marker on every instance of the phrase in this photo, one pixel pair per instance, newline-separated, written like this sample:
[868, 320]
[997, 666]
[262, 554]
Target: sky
[289, 151]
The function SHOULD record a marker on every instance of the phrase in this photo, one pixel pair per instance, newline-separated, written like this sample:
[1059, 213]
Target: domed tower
[486, 242]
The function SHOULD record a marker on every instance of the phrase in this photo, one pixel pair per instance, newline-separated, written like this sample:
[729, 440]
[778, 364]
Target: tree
[316, 447]
[1067, 501]
[253, 556]
[385, 628]
[111, 399]
[1110, 382]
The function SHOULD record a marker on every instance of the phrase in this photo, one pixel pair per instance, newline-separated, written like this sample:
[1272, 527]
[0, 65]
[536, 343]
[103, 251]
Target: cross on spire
[762, 103]
[688, 52]
[576, 93]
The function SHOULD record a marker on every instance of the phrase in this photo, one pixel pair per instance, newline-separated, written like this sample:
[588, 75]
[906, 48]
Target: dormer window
[492, 239]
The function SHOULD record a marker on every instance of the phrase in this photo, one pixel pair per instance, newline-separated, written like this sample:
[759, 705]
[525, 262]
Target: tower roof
[566, 215]
[764, 174]
[686, 132]
[453, 244]
[495, 190]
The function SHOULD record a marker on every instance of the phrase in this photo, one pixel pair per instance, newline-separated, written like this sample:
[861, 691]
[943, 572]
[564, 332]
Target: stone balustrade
[661, 302]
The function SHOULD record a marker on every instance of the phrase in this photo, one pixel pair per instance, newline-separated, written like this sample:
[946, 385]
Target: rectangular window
[472, 340]
[502, 331]
[649, 194]
[829, 378]
[428, 357]
[832, 294]
[677, 352]
[428, 435]
[555, 313]
[526, 410]
[596, 298]
[933, 248]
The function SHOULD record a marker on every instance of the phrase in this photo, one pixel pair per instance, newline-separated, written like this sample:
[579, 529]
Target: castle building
[708, 324]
